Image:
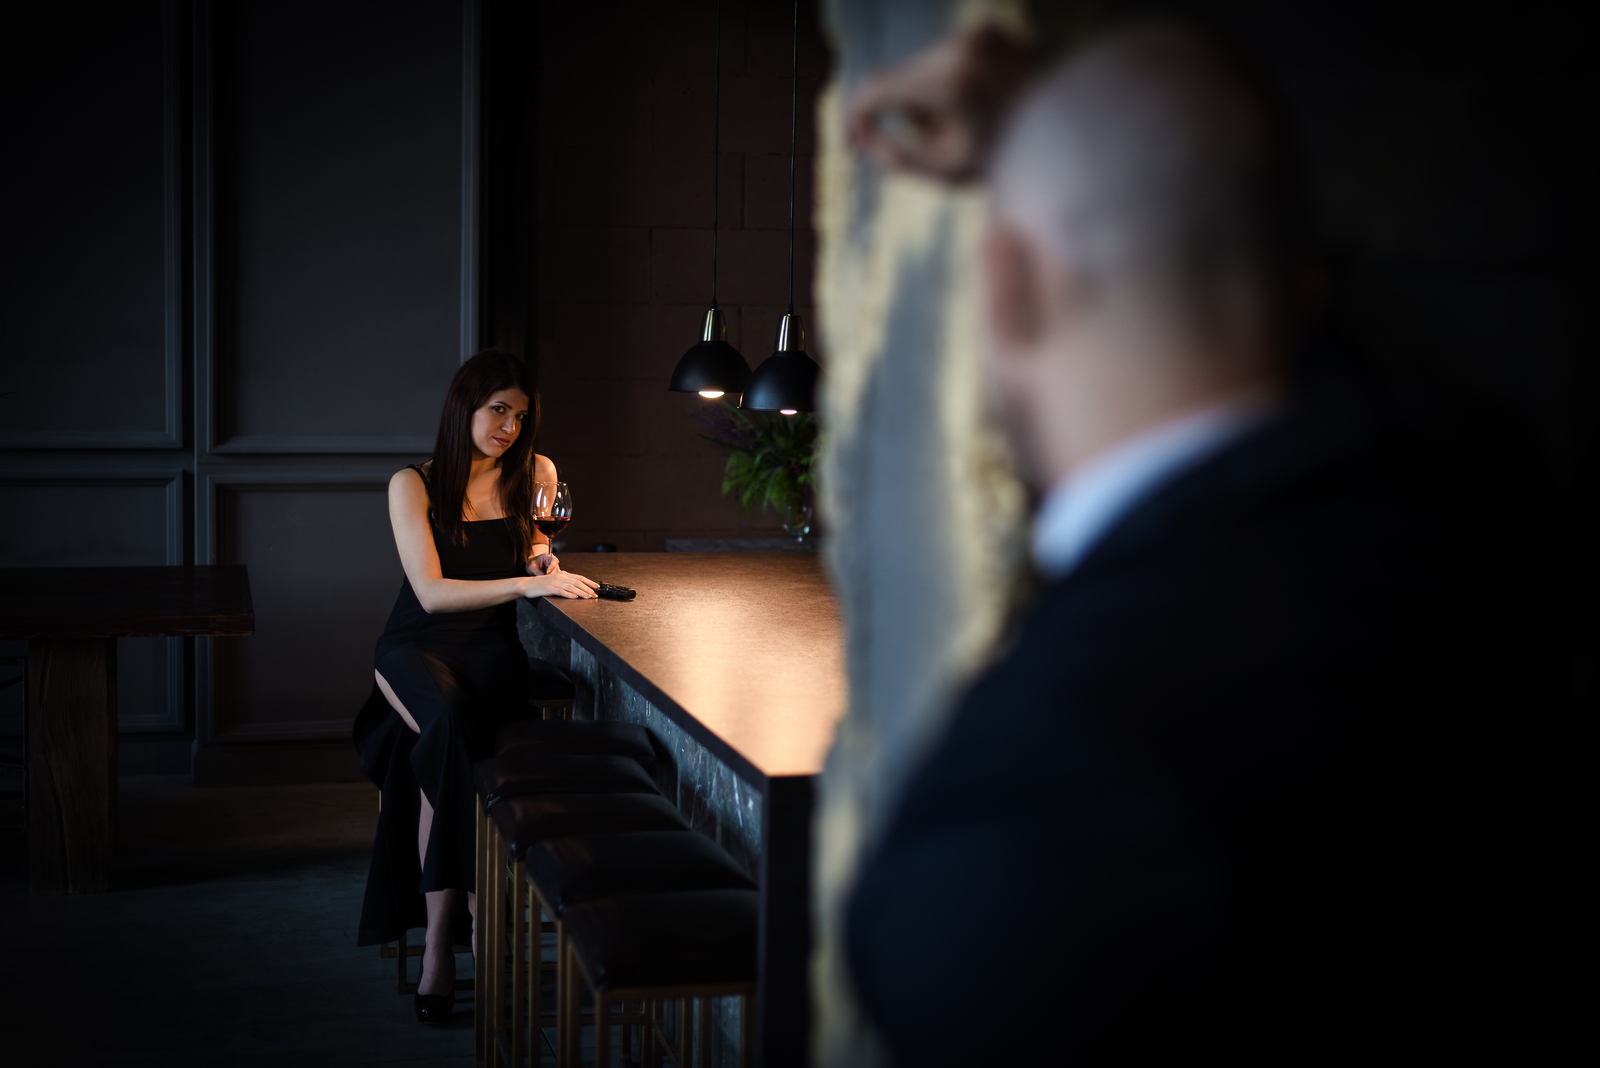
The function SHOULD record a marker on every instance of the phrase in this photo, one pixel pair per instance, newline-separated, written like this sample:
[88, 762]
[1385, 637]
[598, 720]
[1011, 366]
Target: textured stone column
[923, 511]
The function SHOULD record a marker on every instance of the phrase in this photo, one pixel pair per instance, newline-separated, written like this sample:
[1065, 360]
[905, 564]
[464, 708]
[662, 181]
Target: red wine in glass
[552, 507]
[551, 525]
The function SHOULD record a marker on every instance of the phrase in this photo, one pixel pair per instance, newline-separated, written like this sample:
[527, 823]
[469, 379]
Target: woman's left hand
[545, 564]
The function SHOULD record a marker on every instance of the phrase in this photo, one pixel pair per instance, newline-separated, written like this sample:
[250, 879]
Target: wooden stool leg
[564, 993]
[520, 969]
[491, 949]
[480, 985]
[568, 1036]
[497, 950]
[685, 1031]
[602, 1032]
[744, 1032]
[535, 1008]
[400, 960]
[703, 1043]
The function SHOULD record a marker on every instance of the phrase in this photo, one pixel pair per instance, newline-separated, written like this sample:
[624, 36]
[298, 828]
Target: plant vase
[797, 518]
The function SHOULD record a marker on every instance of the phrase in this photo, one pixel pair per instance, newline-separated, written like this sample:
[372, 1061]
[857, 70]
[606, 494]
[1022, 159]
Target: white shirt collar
[1082, 507]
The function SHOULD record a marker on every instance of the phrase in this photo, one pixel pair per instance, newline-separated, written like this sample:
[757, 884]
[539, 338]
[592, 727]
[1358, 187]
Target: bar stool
[694, 945]
[593, 737]
[521, 773]
[551, 690]
[508, 825]
[570, 870]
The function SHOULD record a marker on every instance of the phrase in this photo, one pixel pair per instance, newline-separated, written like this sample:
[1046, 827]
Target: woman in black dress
[449, 667]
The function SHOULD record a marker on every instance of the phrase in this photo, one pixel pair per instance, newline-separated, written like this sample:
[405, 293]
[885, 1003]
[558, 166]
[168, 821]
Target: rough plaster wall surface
[924, 511]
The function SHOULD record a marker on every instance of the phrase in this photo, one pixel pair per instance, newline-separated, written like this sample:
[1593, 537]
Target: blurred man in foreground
[1257, 775]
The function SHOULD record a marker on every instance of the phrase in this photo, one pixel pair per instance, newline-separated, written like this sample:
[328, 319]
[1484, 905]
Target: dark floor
[228, 939]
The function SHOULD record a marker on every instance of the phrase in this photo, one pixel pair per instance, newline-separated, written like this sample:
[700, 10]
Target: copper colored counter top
[746, 644]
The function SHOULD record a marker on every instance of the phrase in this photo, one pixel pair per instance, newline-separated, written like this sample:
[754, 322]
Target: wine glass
[552, 508]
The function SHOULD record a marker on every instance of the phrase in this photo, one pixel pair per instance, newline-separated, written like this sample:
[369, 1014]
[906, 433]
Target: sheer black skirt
[460, 689]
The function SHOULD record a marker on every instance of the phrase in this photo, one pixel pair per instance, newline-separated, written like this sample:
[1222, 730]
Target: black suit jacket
[1249, 779]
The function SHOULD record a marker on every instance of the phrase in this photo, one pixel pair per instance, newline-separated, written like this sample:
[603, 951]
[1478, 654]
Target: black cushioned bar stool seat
[654, 947]
[525, 822]
[592, 737]
[522, 773]
[574, 869]
[520, 824]
[503, 916]
[566, 871]
[679, 939]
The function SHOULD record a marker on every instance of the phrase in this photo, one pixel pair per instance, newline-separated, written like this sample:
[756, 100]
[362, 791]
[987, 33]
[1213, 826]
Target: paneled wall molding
[471, 139]
[266, 445]
[170, 434]
[171, 479]
[277, 477]
[168, 714]
[202, 225]
[216, 272]
[216, 725]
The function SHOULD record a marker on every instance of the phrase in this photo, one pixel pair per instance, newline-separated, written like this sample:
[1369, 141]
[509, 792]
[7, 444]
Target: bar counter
[735, 663]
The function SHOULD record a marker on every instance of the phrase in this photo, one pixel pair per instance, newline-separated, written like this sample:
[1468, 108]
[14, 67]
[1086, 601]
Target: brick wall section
[624, 186]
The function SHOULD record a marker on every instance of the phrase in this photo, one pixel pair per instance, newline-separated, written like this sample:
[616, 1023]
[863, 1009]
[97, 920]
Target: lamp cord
[794, 114]
[716, 150]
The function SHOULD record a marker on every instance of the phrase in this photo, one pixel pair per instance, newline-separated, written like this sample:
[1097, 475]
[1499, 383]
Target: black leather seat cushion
[527, 821]
[595, 737]
[570, 871]
[533, 773]
[550, 683]
[679, 939]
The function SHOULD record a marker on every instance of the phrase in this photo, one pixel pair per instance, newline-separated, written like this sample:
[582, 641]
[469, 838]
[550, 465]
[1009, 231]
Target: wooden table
[744, 653]
[72, 618]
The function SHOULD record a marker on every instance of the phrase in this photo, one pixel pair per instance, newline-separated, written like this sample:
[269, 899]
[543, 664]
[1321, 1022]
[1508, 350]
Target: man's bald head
[1135, 264]
[1152, 163]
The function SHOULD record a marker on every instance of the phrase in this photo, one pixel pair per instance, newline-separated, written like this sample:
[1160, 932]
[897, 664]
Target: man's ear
[1014, 291]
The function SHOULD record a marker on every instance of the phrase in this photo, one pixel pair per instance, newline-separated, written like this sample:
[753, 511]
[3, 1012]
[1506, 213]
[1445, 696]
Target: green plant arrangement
[771, 460]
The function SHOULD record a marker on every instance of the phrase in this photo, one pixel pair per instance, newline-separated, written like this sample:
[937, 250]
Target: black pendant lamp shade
[787, 380]
[713, 367]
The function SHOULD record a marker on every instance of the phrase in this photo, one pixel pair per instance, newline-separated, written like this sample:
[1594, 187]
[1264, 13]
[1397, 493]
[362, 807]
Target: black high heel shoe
[436, 1009]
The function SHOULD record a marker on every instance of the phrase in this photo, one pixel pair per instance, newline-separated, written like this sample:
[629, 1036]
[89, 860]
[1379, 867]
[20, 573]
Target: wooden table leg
[72, 764]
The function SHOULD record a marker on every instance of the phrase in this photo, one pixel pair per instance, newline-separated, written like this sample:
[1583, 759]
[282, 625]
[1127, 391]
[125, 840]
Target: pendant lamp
[713, 367]
[787, 380]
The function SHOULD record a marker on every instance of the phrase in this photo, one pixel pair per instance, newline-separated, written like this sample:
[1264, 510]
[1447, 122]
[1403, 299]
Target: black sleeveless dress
[461, 675]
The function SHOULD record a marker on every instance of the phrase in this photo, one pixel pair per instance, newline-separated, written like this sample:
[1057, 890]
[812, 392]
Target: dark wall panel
[323, 573]
[89, 522]
[87, 356]
[340, 164]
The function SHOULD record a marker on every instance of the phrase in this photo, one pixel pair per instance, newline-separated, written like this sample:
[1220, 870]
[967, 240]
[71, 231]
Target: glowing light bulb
[711, 394]
[787, 411]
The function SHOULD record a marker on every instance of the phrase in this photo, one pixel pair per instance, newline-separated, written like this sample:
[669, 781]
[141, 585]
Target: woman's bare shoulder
[408, 483]
[544, 470]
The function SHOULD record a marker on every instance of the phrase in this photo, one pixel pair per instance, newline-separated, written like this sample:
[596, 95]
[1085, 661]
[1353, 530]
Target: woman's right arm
[408, 513]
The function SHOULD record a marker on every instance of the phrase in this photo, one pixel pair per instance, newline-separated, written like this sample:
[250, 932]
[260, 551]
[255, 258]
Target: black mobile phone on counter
[615, 593]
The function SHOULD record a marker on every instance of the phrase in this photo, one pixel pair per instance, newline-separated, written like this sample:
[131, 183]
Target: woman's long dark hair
[478, 380]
